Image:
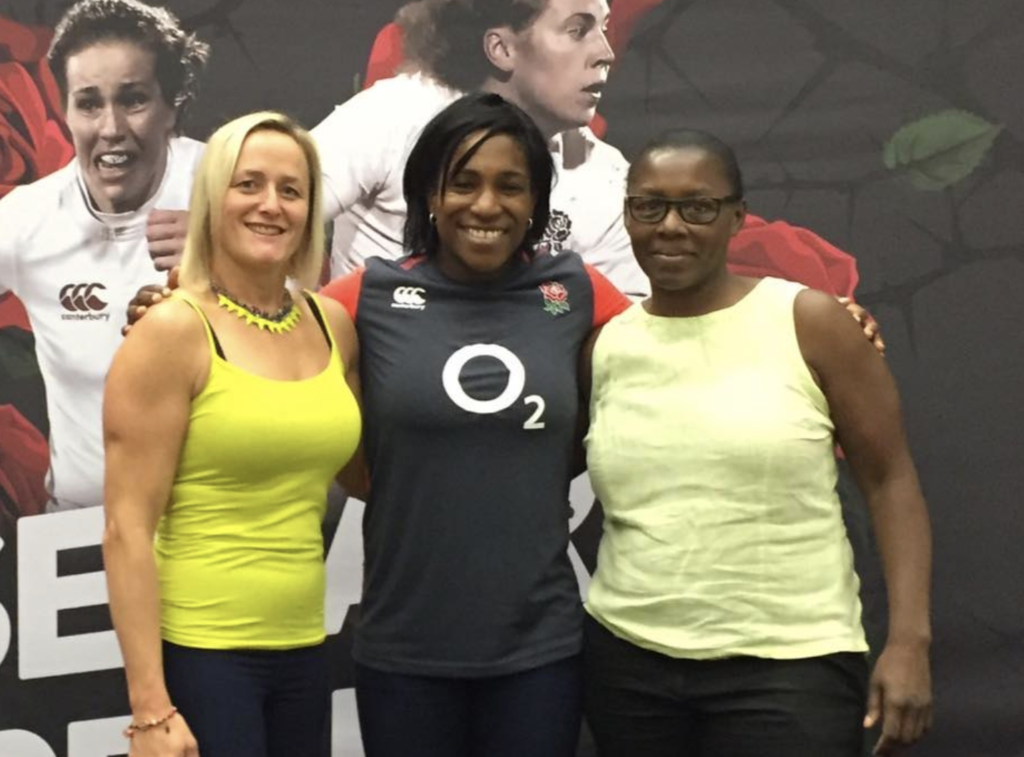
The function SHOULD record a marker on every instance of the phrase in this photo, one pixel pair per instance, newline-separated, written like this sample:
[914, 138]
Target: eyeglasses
[695, 210]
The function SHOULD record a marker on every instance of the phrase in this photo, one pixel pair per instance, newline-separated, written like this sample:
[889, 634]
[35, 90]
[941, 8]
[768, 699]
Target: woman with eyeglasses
[724, 617]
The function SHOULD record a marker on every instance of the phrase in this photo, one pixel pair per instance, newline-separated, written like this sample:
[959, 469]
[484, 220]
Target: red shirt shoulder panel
[608, 301]
[345, 289]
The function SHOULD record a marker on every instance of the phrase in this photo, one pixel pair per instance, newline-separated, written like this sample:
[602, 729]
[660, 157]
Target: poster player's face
[119, 122]
[562, 62]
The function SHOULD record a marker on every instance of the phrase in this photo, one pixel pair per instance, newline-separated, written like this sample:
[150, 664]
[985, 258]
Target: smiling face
[560, 64]
[265, 210]
[119, 122]
[484, 210]
[675, 255]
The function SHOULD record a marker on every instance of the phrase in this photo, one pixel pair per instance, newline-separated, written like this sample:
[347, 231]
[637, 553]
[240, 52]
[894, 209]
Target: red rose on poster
[763, 248]
[33, 138]
[12, 313]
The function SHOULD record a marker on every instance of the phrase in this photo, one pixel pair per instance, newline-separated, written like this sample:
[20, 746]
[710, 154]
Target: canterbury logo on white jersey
[409, 298]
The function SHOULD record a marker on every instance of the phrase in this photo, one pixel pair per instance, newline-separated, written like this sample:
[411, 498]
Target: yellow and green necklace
[283, 320]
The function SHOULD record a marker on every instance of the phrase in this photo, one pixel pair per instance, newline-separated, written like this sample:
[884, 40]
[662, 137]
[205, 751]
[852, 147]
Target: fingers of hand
[166, 223]
[166, 262]
[874, 709]
[149, 296]
[134, 314]
[165, 232]
[904, 722]
[165, 246]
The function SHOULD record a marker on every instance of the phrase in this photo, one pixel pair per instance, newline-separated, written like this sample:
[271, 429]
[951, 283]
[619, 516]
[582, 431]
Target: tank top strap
[321, 318]
[211, 337]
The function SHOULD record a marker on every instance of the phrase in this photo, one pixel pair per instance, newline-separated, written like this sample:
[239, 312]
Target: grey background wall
[814, 95]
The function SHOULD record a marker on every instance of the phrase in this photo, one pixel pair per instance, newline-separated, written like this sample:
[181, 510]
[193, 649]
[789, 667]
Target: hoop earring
[433, 219]
[529, 223]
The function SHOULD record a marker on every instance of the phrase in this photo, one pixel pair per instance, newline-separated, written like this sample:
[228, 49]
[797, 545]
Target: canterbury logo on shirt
[409, 298]
[84, 303]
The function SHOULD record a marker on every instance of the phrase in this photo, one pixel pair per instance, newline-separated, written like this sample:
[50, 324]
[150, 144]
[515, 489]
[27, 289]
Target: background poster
[894, 130]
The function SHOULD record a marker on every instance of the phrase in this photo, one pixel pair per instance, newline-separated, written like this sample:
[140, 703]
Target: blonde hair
[210, 185]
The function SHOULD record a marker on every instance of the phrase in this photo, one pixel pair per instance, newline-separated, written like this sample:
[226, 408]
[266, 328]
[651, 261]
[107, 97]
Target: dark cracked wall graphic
[894, 130]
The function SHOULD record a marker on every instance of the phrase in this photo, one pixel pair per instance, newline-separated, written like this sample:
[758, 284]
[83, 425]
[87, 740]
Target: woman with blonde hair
[212, 546]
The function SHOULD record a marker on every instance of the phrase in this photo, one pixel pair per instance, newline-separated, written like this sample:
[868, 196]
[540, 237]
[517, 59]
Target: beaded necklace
[283, 320]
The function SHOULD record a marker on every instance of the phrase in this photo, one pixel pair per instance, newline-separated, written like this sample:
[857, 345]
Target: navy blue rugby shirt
[470, 404]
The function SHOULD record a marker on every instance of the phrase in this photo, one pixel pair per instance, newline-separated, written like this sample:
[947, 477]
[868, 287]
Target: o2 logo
[5, 626]
[450, 379]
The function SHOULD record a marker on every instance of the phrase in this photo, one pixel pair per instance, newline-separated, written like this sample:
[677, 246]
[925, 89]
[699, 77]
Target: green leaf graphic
[939, 150]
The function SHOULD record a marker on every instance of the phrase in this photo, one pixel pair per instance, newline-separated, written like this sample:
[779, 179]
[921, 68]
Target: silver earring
[529, 224]
[433, 219]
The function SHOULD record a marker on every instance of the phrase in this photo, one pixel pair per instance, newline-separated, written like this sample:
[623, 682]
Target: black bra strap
[216, 343]
[315, 308]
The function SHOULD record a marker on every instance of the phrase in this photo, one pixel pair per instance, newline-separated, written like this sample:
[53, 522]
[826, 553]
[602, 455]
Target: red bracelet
[146, 725]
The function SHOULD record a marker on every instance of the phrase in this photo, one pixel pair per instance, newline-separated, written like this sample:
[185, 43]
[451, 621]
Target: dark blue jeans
[535, 713]
[252, 703]
[640, 702]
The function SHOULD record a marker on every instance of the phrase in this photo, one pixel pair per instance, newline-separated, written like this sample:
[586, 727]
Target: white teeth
[113, 159]
[259, 228]
[485, 234]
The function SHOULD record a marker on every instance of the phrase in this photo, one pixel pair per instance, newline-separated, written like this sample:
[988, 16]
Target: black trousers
[638, 702]
[535, 713]
[252, 703]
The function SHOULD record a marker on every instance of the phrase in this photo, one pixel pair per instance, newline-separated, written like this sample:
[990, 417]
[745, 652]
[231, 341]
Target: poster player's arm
[615, 251]
[356, 150]
[142, 443]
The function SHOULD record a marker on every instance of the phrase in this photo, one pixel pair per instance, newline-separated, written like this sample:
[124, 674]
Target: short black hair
[684, 139]
[445, 37]
[430, 163]
[180, 56]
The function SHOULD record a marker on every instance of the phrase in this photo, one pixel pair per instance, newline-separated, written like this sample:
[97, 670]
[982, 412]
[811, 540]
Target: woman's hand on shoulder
[147, 297]
[871, 328]
[831, 342]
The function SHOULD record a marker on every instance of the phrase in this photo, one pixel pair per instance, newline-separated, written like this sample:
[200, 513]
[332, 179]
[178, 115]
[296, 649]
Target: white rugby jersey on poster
[75, 270]
[365, 143]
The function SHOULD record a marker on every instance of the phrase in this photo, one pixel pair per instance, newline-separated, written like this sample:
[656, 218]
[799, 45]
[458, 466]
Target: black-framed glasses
[695, 210]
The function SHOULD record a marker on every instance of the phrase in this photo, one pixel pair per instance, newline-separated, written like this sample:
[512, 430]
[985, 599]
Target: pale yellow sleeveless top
[712, 451]
[239, 547]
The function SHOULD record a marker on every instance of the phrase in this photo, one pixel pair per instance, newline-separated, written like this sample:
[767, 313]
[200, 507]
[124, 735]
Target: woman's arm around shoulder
[584, 378]
[865, 407]
[354, 478]
[157, 371]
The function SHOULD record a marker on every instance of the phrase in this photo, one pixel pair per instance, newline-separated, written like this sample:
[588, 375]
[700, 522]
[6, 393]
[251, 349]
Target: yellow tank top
[711, 449]
[239, 547]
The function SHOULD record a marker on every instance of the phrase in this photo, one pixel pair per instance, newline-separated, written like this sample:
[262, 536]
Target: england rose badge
[556, 297]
